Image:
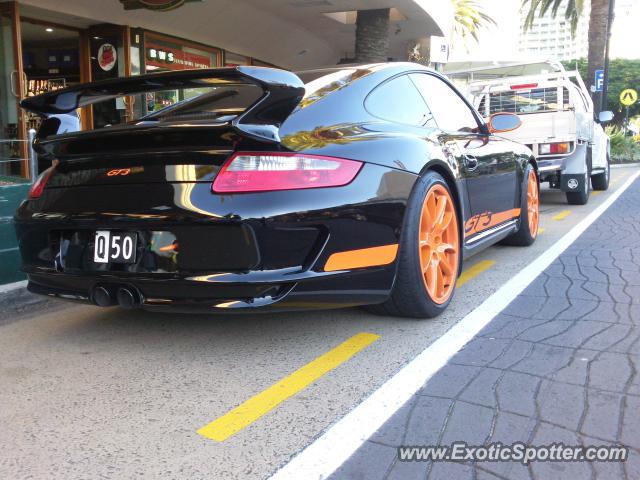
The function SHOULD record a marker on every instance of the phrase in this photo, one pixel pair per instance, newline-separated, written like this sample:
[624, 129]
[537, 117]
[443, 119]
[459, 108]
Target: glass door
[14, 163]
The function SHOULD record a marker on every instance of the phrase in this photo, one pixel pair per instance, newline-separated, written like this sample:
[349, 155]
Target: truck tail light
[524, 86]
[268, 171]
[554, 148]
[38, 186]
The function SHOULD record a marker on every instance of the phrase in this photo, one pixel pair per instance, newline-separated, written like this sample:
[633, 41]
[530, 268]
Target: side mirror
[605, 116]
[503, 122]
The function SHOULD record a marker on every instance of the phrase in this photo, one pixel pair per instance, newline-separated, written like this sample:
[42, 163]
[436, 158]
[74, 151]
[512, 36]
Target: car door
[487, 161]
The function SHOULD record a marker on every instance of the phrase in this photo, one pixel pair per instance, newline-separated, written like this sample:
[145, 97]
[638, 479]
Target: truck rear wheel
[581, 197]
[600, 181]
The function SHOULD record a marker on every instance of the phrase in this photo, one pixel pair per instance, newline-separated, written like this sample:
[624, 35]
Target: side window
[482, 108]
[449, 110]
[397, 100]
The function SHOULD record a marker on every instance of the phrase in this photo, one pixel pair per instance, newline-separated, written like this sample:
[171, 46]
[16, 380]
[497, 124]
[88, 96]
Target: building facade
[552, 38]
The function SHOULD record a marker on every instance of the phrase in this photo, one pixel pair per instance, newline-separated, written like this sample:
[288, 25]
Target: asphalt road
[106, 393]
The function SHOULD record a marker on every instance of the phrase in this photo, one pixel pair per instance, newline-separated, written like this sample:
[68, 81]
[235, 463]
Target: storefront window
[234, 60]
[13, 151]
[163, 54]
[51, 60]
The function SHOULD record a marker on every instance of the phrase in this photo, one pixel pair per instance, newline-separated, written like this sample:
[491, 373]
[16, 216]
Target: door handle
[471, 162]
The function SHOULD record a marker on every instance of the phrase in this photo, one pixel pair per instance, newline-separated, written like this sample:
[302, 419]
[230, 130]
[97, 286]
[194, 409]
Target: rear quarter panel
[337, 124]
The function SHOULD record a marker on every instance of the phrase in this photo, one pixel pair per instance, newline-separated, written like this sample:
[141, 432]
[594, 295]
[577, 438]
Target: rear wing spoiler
[283, 91]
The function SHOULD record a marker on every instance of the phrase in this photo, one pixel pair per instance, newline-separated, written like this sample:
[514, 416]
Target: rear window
[320, 83]
[525, 101]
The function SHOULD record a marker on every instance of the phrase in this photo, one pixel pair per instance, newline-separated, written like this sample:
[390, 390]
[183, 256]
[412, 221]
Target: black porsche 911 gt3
[263, 190]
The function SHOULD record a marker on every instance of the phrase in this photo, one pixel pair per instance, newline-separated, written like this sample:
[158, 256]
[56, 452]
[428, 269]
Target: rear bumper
[550, 165]
[235, 252]
[312, 290]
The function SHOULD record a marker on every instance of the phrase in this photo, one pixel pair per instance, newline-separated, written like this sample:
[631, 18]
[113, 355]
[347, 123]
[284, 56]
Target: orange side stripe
[483, 221]
[363, 257]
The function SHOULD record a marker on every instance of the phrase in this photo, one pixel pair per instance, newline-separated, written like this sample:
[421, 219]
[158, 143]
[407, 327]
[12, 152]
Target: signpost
[627, 98]
[599, 80]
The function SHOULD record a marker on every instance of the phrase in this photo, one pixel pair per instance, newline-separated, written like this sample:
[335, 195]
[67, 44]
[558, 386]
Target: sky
[500, 42]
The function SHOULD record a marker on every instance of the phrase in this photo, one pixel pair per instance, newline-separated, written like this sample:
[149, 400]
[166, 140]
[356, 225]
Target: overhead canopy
[294, 34]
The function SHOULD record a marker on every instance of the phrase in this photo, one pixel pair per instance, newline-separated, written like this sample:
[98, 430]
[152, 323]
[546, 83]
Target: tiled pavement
[559, 364]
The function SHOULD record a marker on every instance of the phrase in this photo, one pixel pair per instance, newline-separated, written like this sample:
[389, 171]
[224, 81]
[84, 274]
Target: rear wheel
[582, 197]
[429, 257]
[529, 211]
[600, 181]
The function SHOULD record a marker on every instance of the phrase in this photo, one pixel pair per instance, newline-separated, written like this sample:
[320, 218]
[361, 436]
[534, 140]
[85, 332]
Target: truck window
[535, 100]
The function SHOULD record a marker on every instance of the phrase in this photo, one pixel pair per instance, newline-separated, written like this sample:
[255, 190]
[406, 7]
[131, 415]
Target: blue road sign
[599, 80]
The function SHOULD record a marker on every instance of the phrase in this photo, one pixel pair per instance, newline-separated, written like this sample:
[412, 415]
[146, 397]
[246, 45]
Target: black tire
[580, 198]
[600, 181]
[409, 297]
[524, 236]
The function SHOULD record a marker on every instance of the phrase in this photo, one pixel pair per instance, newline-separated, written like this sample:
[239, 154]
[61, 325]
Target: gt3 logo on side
[118, 171]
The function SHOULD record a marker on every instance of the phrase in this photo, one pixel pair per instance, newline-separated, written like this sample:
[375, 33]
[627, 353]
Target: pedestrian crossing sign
[628, 97]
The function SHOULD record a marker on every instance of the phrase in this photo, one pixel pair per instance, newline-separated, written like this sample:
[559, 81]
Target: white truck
[558, 125]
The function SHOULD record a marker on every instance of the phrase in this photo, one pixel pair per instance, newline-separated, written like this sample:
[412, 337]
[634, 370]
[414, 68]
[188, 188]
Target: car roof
[309, 75]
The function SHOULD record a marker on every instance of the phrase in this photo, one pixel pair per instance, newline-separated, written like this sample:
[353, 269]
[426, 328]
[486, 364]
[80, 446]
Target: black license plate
[114, 247]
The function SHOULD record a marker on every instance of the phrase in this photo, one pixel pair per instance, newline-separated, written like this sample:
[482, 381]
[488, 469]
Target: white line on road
[340, 441]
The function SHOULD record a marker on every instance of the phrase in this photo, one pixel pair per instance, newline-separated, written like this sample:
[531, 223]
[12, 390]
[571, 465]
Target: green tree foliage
[538, 8]
[623, 148]
[469, 17]
[623, 74]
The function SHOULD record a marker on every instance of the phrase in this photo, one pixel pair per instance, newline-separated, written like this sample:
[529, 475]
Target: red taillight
[554, 148]
[261, 172]
[38, 186]
[524, 86]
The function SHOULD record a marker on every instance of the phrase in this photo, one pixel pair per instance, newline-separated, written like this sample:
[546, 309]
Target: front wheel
[529, 211]
[429, 257]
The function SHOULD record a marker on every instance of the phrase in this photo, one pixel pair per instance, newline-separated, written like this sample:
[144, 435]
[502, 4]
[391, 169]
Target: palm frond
[573, 9]
[469, 18]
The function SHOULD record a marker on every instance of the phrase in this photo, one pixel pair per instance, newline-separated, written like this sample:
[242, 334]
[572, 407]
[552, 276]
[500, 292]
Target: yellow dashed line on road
[596, 193]
[540, 230]
[562, 215]
[474, 271]
[248, 412]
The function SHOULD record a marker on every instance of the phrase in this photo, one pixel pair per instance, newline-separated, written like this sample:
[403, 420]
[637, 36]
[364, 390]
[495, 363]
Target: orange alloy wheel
[439, 244]
[533, 203]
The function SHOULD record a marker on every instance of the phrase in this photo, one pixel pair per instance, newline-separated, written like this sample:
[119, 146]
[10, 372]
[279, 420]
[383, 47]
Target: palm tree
[469, 18]
[573, 9]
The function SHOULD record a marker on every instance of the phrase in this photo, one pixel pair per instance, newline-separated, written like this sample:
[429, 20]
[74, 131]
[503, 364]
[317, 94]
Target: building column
[372, 35]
